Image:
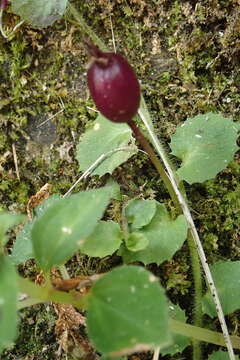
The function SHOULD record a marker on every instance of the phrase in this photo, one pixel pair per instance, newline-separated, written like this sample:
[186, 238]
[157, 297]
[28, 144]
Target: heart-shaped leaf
[140, 212]
[226, 275]
[136, 241]
[104, 240]
[127, 312]
[205, 144]
[165, 236]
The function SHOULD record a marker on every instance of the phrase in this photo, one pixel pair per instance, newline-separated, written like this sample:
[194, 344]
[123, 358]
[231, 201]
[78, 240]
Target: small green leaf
[57, 234]
[226, 275]
[127, 312]
[22, 248]
[104, 240]
[136, 241]
[105, 136]
[8, 220]
[220, 355]
[180, 342]
[39, 13]
[165, 237]
[205, 144]
[8, 302]
[140, 212]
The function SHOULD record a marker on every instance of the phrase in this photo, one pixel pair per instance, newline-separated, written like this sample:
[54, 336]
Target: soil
[186, 56]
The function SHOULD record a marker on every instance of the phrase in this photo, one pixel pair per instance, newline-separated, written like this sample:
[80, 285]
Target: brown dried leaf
[38, 198]
[67, 332]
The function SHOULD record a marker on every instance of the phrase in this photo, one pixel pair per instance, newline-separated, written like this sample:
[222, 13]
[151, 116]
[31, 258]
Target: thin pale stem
[1, 26]
[96, 163]
[201, 334]
[156, 353]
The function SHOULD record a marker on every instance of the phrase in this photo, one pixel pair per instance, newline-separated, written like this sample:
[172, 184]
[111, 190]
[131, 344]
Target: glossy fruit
[3, 4]
[113, 85]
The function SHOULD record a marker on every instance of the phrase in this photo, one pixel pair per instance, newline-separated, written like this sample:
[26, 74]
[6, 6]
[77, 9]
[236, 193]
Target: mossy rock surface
[186, 55]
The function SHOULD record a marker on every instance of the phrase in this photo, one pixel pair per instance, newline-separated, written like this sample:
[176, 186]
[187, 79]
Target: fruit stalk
[160, 168]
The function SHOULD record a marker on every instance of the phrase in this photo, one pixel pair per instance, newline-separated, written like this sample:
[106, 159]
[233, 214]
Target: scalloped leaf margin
[205, 144]
[39, 13]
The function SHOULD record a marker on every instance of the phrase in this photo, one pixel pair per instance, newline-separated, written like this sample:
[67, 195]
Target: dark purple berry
[113, 85]
[3, 4]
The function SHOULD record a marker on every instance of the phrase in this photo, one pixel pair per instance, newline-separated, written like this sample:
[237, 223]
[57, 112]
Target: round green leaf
[140, 212]
[205, 144]
[105, 136]
[104, 240]
[136, 241]
[226, 275]
[127, 312]
[39, 13]
[8, 302]
[165, 236]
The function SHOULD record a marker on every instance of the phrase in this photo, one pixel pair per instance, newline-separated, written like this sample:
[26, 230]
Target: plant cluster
[127, 309]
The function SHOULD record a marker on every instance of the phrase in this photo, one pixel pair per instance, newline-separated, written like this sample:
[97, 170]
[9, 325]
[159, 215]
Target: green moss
[189, 68]
[36, 334]
[217, 203]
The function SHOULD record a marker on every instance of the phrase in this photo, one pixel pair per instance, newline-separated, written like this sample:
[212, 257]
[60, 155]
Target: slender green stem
[39, 294]
[85, 27]
[197, 279]
[158, 165]
[27, 302]
[201, 334]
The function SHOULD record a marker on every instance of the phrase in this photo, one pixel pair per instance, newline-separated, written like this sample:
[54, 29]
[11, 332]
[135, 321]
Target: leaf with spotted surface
[57, 234]
[205, 144]
[128, 312]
